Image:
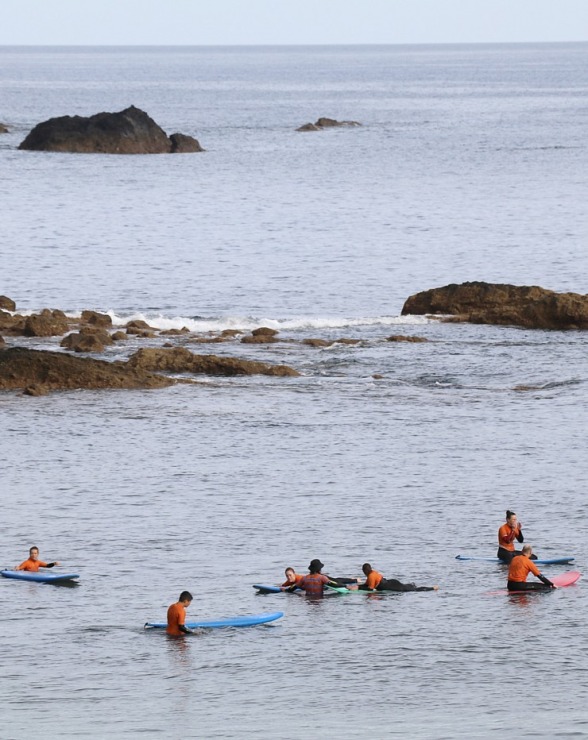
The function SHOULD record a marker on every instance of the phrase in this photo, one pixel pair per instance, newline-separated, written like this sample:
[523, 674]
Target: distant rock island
[529, 307]
[130, 131]
[323, 123]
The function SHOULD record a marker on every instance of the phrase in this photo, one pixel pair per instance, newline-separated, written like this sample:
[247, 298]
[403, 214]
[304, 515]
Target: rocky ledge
[130, 131]
[530, 307]
[323, 123]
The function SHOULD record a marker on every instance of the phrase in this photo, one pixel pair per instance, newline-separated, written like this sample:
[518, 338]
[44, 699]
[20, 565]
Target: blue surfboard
[245, 621]
[269, 589]
[539, 561]
[39, 577]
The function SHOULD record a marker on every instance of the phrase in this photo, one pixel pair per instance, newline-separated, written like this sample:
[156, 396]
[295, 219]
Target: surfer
[292, 579]
[32, 563]
[519, 569]
[376, 582]
[314, 583]
[176, 616]
[508, 532]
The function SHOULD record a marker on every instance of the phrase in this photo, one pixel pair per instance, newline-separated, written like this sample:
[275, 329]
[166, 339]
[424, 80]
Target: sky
[252, 22]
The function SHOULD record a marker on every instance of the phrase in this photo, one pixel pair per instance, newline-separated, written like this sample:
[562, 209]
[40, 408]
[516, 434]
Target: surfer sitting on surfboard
[376, 581]
[33, 563]
[519, 569]
[507, 534]
[176, 616]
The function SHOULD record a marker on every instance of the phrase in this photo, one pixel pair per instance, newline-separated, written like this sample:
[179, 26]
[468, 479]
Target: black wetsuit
[391, 584]
[545, 585]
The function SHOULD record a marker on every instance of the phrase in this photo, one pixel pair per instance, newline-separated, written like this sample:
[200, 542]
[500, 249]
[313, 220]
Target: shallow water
[471, 166]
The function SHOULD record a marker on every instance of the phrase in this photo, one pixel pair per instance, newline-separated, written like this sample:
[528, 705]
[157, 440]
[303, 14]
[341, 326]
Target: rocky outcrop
[323, 123]
[181, 360]
[130, 131]
[95, 318]
[22, 368]
[7, 303]
[530, 307]
[46, 324]
[88, 339]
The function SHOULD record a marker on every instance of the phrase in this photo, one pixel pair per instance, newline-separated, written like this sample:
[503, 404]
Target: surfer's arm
[519, 535]
[546, 581]
[184, 629]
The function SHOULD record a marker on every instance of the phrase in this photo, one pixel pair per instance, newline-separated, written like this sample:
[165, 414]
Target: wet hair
[527, 548]
[34, 547]
[509, 513]
[367, 569]
[185, 596]
[289, 568]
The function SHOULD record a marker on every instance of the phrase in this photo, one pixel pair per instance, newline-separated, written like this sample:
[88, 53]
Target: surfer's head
[185, 598]
[34, 553]
[527, 550]
[367, 569]
[290, 574]
[511, 517]
[315, 566]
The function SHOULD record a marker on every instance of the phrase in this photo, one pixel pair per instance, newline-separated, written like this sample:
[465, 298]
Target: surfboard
[539, 561]
[344, 590]
[245, 621]
[39, 577]
[269, 589]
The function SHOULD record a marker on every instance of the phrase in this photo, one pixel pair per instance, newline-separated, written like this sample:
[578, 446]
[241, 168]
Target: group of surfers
[520, 564]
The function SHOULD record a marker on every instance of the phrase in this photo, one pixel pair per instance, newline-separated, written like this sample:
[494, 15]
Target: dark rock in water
[88, 339]
[7, 303]
[264, 330]
[13, 325]
[35, 390]
[318, 342]
[530, 307]
[130, 131]
[323, 123]
[46, 324]
[21, 368]
[181, 360]
[118, 336]
[184, 144]
[404, 338]
[95, 318]
[3, 129]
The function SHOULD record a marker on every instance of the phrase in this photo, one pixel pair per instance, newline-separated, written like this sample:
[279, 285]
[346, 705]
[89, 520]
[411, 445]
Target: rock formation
[22, 368]
[323, 123]
[7, 303]
[181, 360]
[530, 307]
[130, 131]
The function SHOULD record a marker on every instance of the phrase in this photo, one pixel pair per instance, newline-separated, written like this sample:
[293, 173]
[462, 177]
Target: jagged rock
[138, 324]
[403, 338]
[130, 131]
[264, 330]
[7, 303]
[118, 336]
[258, 339]
[181, 360]
[175, 332]
[46, 324]
[323, 123]
[88, 339]
[95, 318]
[530, 307]
[20, 368]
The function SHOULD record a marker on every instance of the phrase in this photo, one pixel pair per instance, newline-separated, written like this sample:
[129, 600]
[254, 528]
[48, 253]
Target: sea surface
[471, 164]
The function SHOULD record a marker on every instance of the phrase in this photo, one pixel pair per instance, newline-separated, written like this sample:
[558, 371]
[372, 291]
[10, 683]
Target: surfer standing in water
[176, 616]
[314, 583]
[33, 563]
[507, 534]
[519, 569]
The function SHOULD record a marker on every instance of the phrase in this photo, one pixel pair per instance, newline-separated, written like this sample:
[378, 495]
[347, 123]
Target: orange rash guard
[507, 536]
[176, 616]
[32, 565]
[297, 580]
[520, 567]
[373, 580]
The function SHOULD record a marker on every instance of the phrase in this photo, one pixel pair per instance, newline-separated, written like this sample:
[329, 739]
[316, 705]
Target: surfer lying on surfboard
[376, 582]
[33, 563]
[519, 569]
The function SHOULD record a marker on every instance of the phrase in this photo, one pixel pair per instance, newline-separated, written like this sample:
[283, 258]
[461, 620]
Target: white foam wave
[248, 323]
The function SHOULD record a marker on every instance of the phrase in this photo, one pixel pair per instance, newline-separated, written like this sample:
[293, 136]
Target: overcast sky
[219, 22]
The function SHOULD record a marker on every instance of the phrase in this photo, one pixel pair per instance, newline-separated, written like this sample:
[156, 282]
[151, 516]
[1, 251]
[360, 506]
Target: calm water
[471, 165]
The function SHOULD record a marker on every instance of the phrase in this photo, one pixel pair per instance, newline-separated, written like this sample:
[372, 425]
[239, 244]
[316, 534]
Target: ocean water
[471, 164]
